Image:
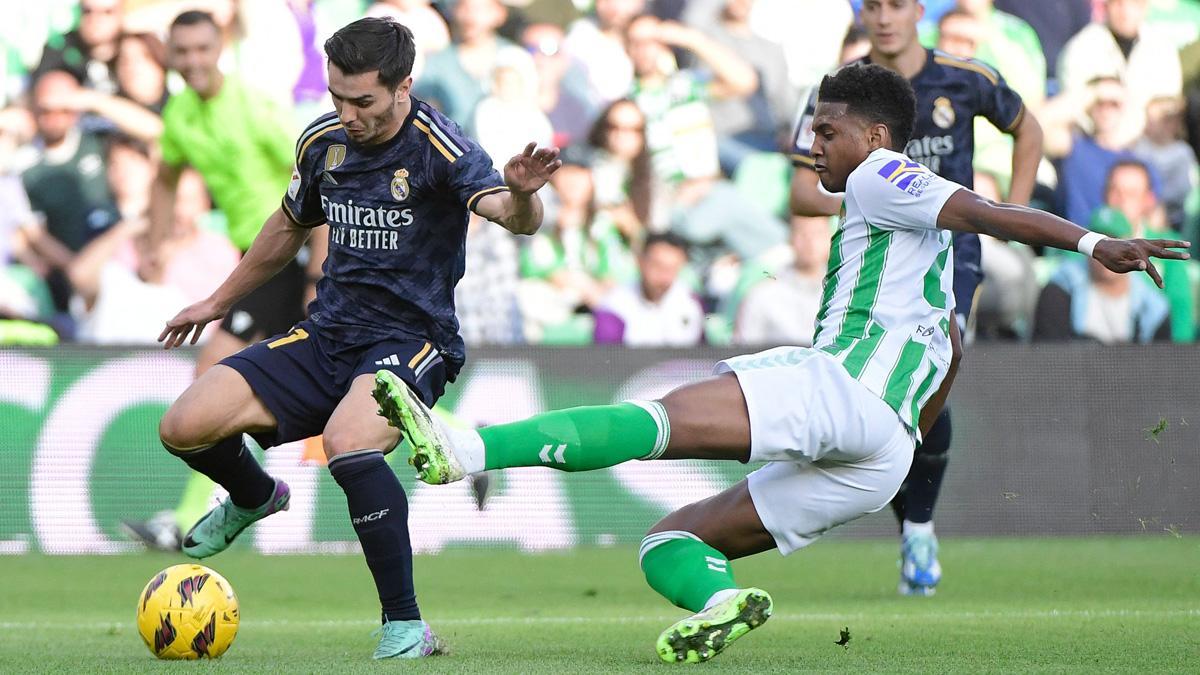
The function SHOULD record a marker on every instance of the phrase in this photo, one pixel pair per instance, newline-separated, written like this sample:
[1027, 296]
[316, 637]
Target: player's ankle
[910, 528]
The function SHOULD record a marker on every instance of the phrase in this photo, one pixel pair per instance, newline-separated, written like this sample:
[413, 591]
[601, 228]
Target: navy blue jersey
[951, 93]
[397, 216]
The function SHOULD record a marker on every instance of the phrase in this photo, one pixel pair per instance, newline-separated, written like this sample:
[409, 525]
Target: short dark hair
[373, 43]
[880, 95]
[855, 34]
[668, 238]
[1128, 163]
[194, 17]
[956, 13]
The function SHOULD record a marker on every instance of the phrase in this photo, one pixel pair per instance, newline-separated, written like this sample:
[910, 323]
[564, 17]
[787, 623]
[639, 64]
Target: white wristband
[1087, 243]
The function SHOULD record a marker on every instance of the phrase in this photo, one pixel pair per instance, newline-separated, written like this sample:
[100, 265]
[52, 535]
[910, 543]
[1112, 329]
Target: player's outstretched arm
[966, 211]
[277, 243]
[520, 210]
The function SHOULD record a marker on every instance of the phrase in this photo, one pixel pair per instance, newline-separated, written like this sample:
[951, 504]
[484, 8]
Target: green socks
[683, 569]
[579, 439]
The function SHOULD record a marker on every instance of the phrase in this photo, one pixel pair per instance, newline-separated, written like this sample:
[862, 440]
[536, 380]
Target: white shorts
[836, 450]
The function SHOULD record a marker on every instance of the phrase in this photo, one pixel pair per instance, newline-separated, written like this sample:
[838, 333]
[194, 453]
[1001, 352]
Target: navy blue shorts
[301, 376]
[968, 273]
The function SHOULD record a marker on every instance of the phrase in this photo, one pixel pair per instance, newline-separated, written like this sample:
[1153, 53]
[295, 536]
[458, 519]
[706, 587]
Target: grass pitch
[1030, 605]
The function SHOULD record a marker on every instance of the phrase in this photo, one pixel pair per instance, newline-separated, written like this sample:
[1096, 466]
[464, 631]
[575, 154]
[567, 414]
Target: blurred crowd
[669, 222]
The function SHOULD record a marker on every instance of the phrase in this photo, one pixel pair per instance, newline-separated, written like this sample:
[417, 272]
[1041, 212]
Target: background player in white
[951, 94]
[836, 422]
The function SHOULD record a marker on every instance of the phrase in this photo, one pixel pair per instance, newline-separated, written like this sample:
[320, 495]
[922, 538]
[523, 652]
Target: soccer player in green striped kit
[836, 423]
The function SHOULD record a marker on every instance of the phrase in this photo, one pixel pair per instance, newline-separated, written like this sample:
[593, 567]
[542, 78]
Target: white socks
[910, 527]
[467, 446]
[719, 596]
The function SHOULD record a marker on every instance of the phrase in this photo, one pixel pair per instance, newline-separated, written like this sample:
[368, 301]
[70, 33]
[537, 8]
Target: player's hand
[192, 320]
[529, 171]
[1132, 255]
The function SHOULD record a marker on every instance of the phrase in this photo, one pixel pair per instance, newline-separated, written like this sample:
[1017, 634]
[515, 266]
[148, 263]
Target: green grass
[1030, 605]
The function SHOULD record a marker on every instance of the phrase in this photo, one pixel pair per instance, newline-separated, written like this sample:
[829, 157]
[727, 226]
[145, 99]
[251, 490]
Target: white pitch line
[616, 620]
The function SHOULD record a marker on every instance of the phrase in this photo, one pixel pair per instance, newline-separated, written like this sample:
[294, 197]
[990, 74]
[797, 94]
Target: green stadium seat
[766, 178]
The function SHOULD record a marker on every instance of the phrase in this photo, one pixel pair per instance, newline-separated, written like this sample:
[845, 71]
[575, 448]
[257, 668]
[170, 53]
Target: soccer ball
[186, 612]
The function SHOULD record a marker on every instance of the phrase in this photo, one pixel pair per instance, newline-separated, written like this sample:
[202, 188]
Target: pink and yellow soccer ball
[187, 612]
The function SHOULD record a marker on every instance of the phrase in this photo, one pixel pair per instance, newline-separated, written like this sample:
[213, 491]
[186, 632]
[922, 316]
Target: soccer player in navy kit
[395, 180]
[951, 93]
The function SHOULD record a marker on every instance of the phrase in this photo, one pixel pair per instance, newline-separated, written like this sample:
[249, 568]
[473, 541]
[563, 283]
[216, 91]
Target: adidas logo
[392, 360]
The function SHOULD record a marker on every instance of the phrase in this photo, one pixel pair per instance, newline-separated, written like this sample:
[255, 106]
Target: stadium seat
[766, 178]
[573, 332]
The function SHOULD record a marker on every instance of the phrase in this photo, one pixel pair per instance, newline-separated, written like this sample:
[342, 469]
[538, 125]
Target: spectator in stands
[459, 76]
[706, 210]
[486, 297]
[1163, 148]
[1055, 23]
[104, 112]
[577, 258]
[782, 309]
[1126, 46]
[131, 170]
[562, 84]
[1084, 300]
[66, 184]
[242, 144]
[1008, 295]
[855, 45]
[23, 294]
[1087, 157]
[430, 33]
[141, 68]
[89, 52]
[810, 33]
[509, 116]
[1128, 191]
[622, 177]
[127, 283]
[762, 120]
[1003, 41]
[659, 310]
[598, 42]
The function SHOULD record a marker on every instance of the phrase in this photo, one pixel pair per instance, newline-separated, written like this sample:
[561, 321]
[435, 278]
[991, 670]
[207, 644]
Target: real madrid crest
[943, 112]
[399, 185]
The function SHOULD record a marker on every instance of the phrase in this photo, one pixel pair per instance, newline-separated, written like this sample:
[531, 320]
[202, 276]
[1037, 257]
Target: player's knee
[338, 441]
[178, 433]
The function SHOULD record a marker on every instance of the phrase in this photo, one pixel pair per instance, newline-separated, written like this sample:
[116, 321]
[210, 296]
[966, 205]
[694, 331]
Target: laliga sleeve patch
[294, 185]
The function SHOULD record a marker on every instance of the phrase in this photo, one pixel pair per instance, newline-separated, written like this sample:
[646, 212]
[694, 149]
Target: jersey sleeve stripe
[450, 145]
[434, 140]
[799, 159]
[313, 137]
[969, 65]
[315, 127]
[486, 191]
[1016, 122]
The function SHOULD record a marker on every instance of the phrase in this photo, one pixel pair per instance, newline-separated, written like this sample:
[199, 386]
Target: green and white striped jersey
[888, 293]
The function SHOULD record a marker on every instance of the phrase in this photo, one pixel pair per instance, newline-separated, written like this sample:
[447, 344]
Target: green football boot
[703, 635]
[219, 527]
[430, 451]
[408, 640]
